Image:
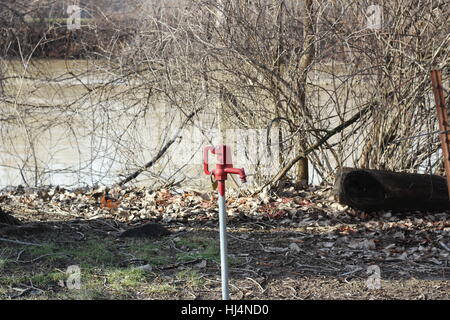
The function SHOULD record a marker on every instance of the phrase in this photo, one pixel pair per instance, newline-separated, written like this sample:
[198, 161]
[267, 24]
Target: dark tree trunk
[373, 190]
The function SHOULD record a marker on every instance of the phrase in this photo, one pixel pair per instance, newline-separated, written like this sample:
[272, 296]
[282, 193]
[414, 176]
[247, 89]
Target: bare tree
[334, 90]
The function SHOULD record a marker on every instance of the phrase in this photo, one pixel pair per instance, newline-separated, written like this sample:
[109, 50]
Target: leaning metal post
[436, 81]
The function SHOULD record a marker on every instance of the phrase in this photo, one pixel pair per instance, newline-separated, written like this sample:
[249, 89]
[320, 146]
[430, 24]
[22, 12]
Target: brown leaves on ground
[293, 234]
[109, 203]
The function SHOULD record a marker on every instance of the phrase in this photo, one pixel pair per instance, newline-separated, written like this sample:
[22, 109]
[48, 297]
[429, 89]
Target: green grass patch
[152, 252]
[5, 256]
[102, 264]
[211, 253]
[92, 286]
[10, 279]
[43, 280]
[40, 279]
[3, 293]
[87, 254]
[93, 253]
[191, 277]
[123, 279]
[195, 242]
[2, 264]
[161, 288]
[200, 248]
[44, 249]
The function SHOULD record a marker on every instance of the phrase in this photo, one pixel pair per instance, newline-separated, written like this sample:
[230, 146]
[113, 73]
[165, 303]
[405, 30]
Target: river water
[82, 123]
[64, 135]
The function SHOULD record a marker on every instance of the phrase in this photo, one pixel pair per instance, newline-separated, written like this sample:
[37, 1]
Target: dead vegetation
[290, 246]
[334, 91]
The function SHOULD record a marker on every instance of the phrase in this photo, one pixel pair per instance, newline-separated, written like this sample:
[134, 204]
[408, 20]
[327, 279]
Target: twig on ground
[444, 246]
[82, 236]
[21, 242]
[257, 283]
[351, 272]
[20, 254]
[132, 260]
[43, 256]
[109, 225]
[240, 239]
[176, 265]
[238, 289]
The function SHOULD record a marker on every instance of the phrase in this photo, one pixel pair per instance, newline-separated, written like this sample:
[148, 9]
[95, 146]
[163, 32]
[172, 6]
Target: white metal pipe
[223, 247]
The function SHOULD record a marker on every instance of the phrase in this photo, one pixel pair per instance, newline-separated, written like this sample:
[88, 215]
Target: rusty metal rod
[436, 81]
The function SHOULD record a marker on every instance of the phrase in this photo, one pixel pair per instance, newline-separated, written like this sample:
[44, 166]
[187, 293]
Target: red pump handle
[224, 166]
[205, 159]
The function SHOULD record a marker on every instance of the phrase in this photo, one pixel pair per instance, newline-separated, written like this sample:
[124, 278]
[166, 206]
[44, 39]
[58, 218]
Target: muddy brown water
[97, 139]
[82, 138]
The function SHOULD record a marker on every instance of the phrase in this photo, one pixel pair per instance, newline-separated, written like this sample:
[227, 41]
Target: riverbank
[295, 245]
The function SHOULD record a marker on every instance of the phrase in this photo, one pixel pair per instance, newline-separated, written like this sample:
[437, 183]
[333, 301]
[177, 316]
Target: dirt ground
[298, 245]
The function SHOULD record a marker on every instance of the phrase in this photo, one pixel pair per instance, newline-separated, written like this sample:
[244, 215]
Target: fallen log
[375, 190]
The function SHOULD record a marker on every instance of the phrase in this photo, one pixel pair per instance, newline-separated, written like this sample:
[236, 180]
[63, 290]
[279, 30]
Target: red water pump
[224, 167]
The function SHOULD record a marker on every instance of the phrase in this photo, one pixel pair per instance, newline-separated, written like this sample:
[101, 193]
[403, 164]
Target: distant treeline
[39, 28]
[52, 39]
